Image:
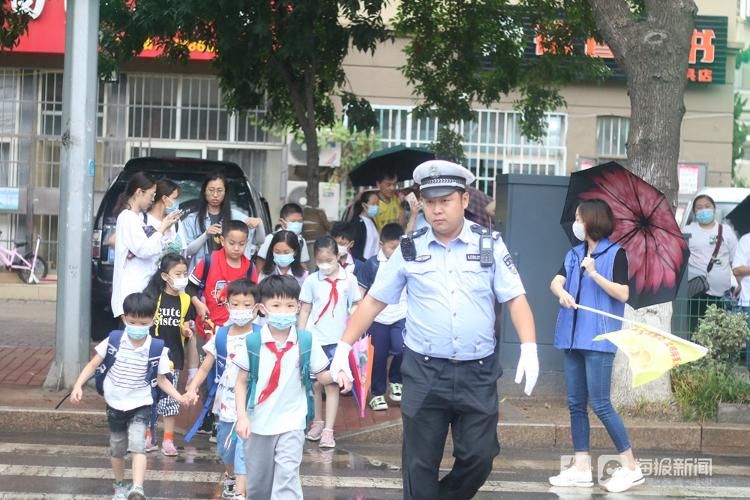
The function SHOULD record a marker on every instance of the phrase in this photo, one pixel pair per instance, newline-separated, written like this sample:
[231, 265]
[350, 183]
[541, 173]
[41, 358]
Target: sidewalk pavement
[12, 288]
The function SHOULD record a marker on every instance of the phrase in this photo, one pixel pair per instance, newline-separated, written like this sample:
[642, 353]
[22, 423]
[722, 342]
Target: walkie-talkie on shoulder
[408, 249]
[486, 250]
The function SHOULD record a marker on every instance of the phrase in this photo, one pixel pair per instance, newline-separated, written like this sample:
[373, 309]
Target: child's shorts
[168, 407]
[231, 454]
[128, 430]
[329, 351]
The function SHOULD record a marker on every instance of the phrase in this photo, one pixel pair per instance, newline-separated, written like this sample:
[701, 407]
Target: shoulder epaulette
[481, 230]
[418, 233]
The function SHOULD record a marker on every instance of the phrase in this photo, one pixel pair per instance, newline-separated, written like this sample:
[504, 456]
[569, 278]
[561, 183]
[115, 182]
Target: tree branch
[613, 20]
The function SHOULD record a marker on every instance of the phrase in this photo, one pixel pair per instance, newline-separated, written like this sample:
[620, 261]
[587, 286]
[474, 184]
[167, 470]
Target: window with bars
[612, 136]
[492, 141]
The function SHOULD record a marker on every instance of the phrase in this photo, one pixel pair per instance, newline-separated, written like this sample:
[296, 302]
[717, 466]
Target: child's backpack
[154, 354]
[184, 308]
[214, 376]
[207, 265]
[304, 341]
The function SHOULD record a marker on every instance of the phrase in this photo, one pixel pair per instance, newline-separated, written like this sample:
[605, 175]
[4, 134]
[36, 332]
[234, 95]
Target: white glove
[340, 361]
[528, 364]
[191, 375]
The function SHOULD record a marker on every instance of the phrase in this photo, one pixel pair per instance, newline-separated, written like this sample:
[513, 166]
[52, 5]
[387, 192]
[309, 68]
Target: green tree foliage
[448, 146]
[287, 55]
[739, 136]
[13, 24]
[461, 53]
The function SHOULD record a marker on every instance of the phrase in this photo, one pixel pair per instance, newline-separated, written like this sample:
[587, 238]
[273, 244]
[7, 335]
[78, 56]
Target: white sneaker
[573, 476]
[623, 479]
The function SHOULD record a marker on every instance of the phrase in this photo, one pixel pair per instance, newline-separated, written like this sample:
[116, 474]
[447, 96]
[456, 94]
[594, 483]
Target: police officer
[454, 271]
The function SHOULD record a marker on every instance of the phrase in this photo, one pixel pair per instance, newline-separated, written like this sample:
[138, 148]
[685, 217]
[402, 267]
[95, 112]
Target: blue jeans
[588, 375]
[386, 339]
[227, 448]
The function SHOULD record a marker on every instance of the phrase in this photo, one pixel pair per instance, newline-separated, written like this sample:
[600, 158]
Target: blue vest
[576, 329]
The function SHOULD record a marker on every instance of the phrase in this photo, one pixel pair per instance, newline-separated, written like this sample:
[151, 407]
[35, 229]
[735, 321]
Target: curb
[710, 438]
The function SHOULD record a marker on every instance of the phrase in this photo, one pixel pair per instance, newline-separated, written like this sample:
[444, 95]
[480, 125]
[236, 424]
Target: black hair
[357, 209]
[289, 209]
[165, 187]
[391, 232]
[139, 305]
[234, 225]
[276, 286]
[597, 218]
[344, 230]
[292, 240]
[156, 284]
[705, 197]
[326, 243]
[139, 180]
[224, 210]
[384, 174]
[242, 287]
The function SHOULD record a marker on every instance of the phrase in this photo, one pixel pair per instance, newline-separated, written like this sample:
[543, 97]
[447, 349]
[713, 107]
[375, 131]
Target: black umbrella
[740, 217]
[400, 160]
[644, 226]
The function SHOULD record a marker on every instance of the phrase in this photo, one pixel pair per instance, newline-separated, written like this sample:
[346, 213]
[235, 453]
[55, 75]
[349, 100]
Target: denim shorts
[127, 430]
[230, 453]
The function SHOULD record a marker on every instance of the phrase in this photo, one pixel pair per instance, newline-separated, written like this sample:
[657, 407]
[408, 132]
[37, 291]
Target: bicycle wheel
[40, 268]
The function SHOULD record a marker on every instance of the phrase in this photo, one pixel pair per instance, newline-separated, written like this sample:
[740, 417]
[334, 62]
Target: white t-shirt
[285, 409]
[171, 242]
[742, 258]
[136, 253]
[372, 245]
[702, 243]
[304, 255]
[125, 386]
[224, 404]
[328, 327]
[392, 312]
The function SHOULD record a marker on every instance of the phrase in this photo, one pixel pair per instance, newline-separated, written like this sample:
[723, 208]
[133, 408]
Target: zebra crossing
[57, 467]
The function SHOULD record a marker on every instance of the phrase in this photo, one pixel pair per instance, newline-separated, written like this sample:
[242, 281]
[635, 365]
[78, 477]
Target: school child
[345, 233]
[221, 348]
[174, 312]
[129, 365]
[274, 392]
[387, 331]
[208, 282]
[291, 218]
[283, 257]
[212, 275]
[328, 297]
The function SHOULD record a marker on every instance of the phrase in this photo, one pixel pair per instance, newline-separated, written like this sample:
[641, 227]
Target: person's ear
[165, 277]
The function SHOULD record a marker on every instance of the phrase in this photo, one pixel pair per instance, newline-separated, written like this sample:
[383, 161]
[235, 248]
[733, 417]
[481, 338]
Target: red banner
[46, 34]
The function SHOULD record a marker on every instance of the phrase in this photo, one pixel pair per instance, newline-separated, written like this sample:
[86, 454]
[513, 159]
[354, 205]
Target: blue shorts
[232, 454]
[329, 349]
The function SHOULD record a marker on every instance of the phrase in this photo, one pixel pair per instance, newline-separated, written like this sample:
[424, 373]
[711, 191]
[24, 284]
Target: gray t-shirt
[702, 243]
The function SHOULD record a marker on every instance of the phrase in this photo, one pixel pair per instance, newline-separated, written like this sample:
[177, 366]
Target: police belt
[480, 361]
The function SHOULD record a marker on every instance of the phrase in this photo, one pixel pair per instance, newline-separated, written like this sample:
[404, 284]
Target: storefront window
[612, 136]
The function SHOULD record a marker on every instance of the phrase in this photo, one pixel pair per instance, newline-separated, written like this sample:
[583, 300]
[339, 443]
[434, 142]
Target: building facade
[151, 108]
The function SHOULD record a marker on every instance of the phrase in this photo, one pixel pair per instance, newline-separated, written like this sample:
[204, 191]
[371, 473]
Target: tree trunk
[313, 160]
[653, 50]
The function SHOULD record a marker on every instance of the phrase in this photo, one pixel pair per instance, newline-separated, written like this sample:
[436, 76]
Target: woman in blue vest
[595, 274]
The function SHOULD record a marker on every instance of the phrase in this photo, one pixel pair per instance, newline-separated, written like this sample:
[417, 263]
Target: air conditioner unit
[330, 154]
[329, 196]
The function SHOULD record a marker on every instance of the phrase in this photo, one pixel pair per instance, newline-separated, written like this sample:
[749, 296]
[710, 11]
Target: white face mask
[579, 230]
[241, 317]
[179, 284]
[327, 268]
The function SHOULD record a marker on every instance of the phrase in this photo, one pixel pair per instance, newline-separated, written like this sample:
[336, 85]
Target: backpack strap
[152, 373]
[113, 345]
[206, 266]
[220, 342]
[304, 341]
[253, 343]
[158, 316]
[184, 308]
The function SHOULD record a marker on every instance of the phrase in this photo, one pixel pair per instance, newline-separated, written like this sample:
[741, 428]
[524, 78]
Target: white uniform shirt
[135, 257]
[702, 243]
[125, 386]
[372, 245]
[742, 258]
[285, 409]
[392, 312]
[316, 291]
[224, 404]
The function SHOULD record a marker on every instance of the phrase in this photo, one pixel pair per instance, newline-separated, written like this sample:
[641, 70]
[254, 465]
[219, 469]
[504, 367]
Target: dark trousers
[439, 395]
[387, 340]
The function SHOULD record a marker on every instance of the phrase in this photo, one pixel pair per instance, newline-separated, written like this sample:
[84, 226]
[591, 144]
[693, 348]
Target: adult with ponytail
[165, 203]
[138, 245]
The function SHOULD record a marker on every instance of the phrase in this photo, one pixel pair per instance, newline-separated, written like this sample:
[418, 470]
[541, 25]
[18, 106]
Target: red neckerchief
[332, 297]
[273, 382]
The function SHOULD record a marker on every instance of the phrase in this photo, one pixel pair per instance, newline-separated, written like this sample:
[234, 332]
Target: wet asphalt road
[76, 466]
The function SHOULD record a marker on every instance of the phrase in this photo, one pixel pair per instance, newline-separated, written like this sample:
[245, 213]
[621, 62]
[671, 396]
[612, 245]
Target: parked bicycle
[30, 268]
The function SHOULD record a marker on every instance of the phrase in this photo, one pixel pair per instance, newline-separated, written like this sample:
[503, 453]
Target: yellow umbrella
[650, 351]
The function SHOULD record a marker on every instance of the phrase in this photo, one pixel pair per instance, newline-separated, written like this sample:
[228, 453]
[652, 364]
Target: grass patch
[698, 390]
